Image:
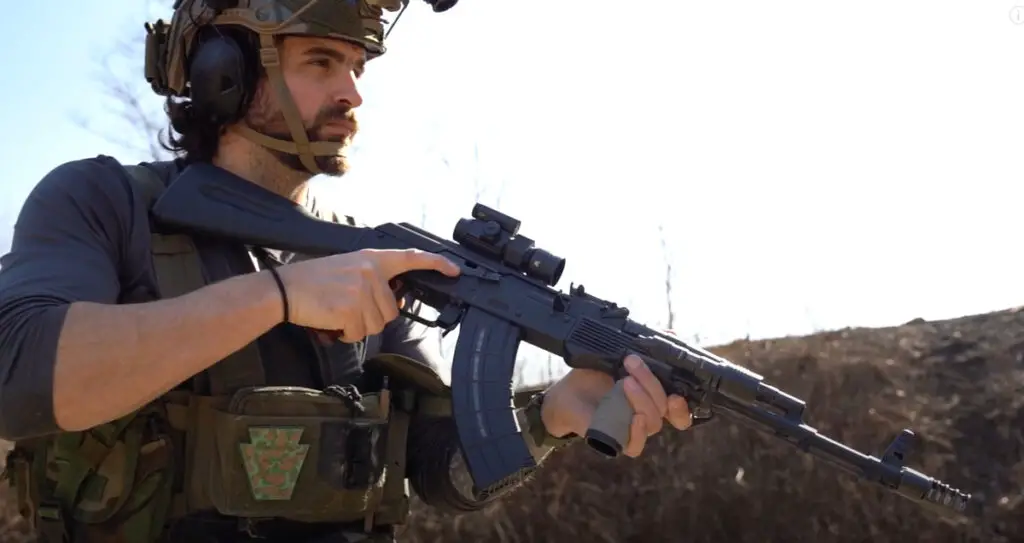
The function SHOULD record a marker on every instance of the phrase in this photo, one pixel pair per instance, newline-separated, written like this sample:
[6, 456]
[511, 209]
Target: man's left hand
[570, 403]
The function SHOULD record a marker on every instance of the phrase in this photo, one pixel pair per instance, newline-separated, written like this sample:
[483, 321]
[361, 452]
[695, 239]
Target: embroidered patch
[273, 459]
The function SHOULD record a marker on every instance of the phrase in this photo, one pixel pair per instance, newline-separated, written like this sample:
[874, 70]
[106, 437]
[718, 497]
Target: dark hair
[193, 137]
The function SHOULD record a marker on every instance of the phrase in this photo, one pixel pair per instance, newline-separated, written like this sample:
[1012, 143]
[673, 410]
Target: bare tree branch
[129, 98]
[668, 278]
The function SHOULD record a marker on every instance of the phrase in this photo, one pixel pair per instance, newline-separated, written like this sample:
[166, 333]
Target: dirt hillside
[959, 384]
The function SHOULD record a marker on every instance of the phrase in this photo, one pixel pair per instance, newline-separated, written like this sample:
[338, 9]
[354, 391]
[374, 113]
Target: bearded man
[163, 387]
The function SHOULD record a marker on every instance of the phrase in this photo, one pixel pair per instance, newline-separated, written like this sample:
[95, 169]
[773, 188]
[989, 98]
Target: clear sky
[813, 164]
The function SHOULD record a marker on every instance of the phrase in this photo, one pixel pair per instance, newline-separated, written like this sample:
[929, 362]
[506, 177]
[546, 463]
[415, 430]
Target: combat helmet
[212, 72]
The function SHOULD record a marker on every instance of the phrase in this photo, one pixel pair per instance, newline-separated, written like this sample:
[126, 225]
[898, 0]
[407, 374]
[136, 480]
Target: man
[242, 394]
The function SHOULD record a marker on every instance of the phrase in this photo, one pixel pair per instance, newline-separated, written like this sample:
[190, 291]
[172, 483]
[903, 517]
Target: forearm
[113, 359]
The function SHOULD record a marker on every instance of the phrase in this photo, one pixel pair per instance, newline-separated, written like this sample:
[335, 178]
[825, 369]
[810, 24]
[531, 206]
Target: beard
[270, 122]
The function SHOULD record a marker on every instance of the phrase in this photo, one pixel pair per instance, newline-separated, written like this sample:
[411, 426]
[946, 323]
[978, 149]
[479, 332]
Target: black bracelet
[280, 286]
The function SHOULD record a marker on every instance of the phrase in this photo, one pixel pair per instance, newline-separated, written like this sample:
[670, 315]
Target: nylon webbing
[179, 270]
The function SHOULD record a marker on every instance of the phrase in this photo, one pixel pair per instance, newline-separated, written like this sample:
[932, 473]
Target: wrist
[269, 302]
[282, 295]
[552, 420]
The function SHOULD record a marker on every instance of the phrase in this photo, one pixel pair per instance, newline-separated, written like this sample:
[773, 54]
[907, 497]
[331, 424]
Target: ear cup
[217, 78]
[441, 5]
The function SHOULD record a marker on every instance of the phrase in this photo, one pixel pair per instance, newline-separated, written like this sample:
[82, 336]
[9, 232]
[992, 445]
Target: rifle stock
[505, 295]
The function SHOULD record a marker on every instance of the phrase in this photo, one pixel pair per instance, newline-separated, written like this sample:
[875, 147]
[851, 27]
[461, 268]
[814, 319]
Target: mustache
[337, 114]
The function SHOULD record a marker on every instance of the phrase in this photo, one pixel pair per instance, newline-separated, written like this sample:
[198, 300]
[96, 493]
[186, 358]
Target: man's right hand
[351, 292]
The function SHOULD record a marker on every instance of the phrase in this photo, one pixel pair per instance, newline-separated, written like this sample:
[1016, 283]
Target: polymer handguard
[504, 296]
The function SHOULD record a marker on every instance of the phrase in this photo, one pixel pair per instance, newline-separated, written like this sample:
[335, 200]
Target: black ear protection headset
[441, 5]
[222, 70]
[222, 73]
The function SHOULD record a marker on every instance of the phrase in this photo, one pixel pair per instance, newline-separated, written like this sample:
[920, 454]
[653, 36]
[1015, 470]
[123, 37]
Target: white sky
[814, 164]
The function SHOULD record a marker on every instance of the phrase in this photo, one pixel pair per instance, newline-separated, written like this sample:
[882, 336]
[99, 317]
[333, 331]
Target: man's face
[321, 75]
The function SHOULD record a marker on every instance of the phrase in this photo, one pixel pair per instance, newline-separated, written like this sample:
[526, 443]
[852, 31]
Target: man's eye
[322, 62]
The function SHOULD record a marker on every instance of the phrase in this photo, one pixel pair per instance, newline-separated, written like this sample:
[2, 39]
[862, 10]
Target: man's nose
[347, 91]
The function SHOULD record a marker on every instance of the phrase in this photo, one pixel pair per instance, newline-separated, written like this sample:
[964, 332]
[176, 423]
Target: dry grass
[957, 383]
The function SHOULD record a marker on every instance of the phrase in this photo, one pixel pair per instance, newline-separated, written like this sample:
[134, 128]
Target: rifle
[505, 295]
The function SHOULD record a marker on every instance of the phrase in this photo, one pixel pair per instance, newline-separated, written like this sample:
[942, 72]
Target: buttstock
[210, 201]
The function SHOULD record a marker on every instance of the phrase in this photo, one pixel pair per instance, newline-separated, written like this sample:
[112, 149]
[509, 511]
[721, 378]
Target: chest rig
[241, 448]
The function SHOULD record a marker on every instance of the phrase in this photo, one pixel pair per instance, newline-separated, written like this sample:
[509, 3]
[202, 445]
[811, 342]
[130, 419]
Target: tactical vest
[246, 450]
